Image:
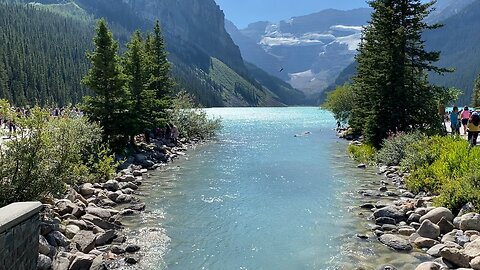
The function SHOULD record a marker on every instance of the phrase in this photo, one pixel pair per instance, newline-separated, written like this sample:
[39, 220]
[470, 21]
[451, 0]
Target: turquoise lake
[274, 191]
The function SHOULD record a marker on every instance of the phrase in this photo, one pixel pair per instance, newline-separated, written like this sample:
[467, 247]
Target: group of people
[170, 133]
[470, 120]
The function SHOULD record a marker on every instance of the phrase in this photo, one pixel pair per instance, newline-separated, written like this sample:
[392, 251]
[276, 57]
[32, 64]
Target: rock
[127, 212]
[406, 231]
[361, 166]
[414, 217]
[87, 189]
[395, 242]
[99, 212]
[429, 230]
[131, 260]
[127, 191]
[475, 263]
[137, 173]
[445, 226]
[423, 242]
[134, 248]
[461, 239]
[84, 241]
[71, 230]
[43, 246]
[436, 215]
[470, 221]
[429, 266]
[62, 261]
[43, 262]
[79, 223]
[117, 249]
[390, 212]
[137, 207]
[98, 263]
[82, 262]
[456, 257]
[64, 207]
[472, 249]
[467, 208]
[385, 220]
[105, 238]
[435, 250]
[60, 239]
[124, 198]
[113, 195]
[408, 195]
[111, 185]
[99, 222]
[389, 227]
[449, 237]
[131, 185]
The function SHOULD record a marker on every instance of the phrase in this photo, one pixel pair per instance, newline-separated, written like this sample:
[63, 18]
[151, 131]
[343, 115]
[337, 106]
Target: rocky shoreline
[407, 222]
[83, 231]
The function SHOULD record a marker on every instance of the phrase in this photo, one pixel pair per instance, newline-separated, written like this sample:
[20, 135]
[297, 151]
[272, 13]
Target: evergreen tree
[392, 92]
[4, 91]
[158, 70]
[109, 105]
[476, 93]
[143, 105]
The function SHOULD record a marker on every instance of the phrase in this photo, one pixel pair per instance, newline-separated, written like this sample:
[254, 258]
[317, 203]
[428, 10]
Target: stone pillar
[19, 230]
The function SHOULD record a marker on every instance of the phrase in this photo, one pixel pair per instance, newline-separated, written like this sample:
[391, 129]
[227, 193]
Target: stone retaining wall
[19, 230]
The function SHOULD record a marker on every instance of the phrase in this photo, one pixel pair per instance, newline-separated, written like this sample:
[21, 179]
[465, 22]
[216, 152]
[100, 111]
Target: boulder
[82, 261]
[472, 249]
[99, 212]
[64, 207]
[429, 229]
[445, 226]
[134, 248]
[59, 239]
[44, 262]
[390, 212]
[475, 263]
[436, 214]
[414, 217]
[71, 230]
[98, 263]
[456, 257]
[429, 266]
[124, 198]
[423, 242]
[111, 185]
[395, 242]
[435, 250]
[62, 261]
[116, 249]
[79, 223]
[137, 207]
[467, 208]
[449, 237]
[407, 231]
[43, 246]
[99, 222]
[105, 238]
[470, 221]
[87, 189]
[84, 241]
[131, 260]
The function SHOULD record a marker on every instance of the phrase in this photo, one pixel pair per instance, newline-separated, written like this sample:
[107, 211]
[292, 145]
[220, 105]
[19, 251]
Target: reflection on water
[260, 198]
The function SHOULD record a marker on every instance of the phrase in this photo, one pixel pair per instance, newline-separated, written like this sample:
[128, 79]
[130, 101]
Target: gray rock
[84, 241]
[43, 246]
[87, 189]
[395, 242]
[114, 195]
[445, 226]
[456, 257]
[99, 212]
[124, 198]
[64, 207]
[389, 227]
[134, 248]
[461, 239]
[137, 207]
[71, 230]
[98, 264]
[131, 260]
[385, 220]
[60, 239]
[475, 263]
[105, 238]
[470, 221]
[82, 261]
[62, 261]
[99, 222]
[472, 249]
[79, 223]
[406, 231]
[414, 217]
[467, 208]
[436, 215]
[429, 266]
[423, 242]
[449, 237]
[117, 249]
[429, 230]
[44, 262]
[390, 212]
[435, 250]
[111, 185]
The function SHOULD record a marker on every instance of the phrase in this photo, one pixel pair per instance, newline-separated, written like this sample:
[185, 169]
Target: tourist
[473, 128]
[454, 121]
[175, 134]
[465, 116]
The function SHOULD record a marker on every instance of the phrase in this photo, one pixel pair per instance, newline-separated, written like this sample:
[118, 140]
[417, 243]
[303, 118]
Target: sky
[243, 12]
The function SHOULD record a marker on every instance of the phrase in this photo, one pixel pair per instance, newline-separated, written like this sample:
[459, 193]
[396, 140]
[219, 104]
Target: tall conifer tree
[392, 92]
[109, 105]
[476, 93]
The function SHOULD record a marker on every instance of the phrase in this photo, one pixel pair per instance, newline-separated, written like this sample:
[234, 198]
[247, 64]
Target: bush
[341, 102]
[393, 148]
[45, 154]
[363, 153]
[191, 121]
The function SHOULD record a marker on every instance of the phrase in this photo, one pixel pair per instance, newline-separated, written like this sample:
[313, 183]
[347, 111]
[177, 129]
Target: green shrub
[191, 121]
[341, 102]
[363, 153]
[393, 149]
[47, 153]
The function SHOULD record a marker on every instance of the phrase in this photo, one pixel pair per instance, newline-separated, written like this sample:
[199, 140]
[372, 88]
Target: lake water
[275, 191]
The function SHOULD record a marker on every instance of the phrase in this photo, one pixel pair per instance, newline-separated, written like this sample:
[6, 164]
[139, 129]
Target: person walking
[465, 117]
[454, 121]
[473, 128]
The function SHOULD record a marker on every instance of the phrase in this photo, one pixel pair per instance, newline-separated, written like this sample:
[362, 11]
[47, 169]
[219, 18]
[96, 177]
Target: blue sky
[243, 12]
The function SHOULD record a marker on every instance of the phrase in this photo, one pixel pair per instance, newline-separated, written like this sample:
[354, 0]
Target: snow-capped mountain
[308, 51]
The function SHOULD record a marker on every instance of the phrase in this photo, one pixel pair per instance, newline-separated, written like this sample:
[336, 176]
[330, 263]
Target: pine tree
[143, 105]
[109, 105]
[4, 91]
[159, 80]
[476, 93]
[392, 92]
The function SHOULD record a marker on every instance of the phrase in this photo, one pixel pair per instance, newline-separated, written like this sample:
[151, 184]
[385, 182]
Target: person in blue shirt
[454, 122]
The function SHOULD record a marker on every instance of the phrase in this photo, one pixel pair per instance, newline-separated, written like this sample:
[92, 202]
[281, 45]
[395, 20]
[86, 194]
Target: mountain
[310, 50]
[196, 40]
[445, 9]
